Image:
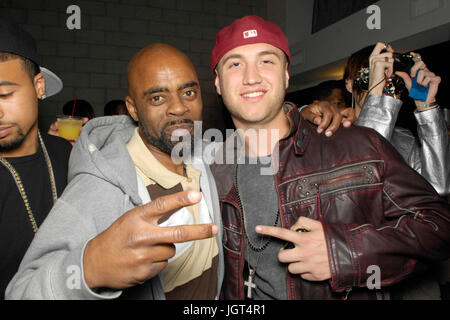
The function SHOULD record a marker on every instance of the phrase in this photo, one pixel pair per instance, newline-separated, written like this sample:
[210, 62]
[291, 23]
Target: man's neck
[28, 146]
[261, 139]
[164, 158]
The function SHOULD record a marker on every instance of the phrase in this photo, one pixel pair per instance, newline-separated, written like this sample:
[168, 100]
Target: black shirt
[16, 232]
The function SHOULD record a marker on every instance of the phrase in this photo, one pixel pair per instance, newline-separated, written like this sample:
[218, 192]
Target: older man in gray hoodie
[105, 238]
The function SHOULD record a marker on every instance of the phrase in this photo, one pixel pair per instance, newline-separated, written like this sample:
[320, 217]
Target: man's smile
[254, 95]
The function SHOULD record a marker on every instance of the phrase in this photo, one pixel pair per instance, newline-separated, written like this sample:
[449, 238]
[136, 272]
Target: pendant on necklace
[249, 283]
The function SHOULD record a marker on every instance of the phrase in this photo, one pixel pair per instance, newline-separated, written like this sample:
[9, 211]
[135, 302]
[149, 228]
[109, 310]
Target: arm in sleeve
[434, 149]
[52, 268]
[414, 230]
[380, 113]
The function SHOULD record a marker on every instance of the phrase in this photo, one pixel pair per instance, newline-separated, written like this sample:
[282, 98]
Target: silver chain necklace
[21, 188]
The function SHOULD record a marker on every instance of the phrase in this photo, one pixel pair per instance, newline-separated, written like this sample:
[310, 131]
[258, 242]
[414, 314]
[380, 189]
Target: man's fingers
[155, 253]
[327, 116]
[299, 268]
[335, 123]
[317, 120]
[145, 272]
[348, 117]
[306, 223]
[156, 268]
[183, 233]
[280, 233]
[166, 205]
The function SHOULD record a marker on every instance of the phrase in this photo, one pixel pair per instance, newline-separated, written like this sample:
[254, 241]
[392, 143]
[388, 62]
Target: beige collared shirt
[193, 269]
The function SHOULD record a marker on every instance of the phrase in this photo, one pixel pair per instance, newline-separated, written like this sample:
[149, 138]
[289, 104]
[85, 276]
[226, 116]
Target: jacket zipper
[333, 191]
[343, 178]
[330, 171]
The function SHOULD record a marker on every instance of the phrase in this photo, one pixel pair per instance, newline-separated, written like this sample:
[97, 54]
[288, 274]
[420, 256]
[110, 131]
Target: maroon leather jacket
[375, 210]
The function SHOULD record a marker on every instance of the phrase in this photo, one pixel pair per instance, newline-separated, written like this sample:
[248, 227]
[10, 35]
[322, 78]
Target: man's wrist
[89, 278]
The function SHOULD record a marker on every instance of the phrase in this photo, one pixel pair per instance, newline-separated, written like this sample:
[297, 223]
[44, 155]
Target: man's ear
[349, 85]
[287, 78]
[129, 102]
[39, 85]
[217, 83]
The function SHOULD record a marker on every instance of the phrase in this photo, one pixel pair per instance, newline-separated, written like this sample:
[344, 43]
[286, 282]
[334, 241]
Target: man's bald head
[151, 58]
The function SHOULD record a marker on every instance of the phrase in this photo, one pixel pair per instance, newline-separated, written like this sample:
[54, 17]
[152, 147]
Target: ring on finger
[417, 59]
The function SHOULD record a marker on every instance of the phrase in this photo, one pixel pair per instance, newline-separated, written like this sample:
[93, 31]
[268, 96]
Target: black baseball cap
[17, 41]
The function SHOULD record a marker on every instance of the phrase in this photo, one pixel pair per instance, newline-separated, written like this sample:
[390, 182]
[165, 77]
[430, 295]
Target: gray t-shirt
[260, 203]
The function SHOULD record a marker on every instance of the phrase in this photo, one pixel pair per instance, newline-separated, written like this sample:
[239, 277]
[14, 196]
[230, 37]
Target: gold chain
[19, 183]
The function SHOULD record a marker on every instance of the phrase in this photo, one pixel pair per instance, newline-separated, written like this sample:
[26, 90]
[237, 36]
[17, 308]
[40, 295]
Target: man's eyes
[234, 64]
[5, 95]
[191, 93]
[157, 100]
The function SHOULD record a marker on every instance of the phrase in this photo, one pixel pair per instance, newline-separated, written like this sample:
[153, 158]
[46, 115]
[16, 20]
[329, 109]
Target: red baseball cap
[248, 30]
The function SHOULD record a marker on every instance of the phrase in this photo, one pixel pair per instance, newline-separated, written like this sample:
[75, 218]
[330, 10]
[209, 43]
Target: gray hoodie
[103, 185]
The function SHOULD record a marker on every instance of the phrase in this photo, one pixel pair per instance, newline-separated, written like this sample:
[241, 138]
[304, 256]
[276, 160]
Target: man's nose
[252, 75]
[177, 107]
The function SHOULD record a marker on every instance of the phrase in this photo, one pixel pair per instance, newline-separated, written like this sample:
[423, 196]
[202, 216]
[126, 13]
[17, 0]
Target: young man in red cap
[345, 209]
[33, 167]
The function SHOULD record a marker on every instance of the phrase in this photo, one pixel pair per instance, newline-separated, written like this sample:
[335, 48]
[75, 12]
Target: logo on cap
[250, 34]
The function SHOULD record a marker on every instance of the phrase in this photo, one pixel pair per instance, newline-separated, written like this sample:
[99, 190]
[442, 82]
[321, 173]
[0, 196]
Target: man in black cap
[33, 166]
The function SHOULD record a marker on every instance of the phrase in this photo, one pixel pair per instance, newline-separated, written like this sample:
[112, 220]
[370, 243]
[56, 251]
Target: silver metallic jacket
[431, 156]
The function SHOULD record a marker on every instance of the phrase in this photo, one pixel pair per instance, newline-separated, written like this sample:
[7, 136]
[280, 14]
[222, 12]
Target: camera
[402, 62]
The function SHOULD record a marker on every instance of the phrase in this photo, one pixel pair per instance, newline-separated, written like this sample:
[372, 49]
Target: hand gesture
[309, 257]
[134, 249]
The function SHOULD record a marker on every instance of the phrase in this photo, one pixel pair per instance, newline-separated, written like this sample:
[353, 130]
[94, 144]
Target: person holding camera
[374, 77]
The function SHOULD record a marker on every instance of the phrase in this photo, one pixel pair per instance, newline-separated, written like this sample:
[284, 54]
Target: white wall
[406, 24]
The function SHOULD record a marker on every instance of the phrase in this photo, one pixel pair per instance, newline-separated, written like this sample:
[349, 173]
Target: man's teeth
[253, 94]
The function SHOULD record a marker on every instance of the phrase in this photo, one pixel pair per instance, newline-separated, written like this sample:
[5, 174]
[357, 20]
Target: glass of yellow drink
[69, 127]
